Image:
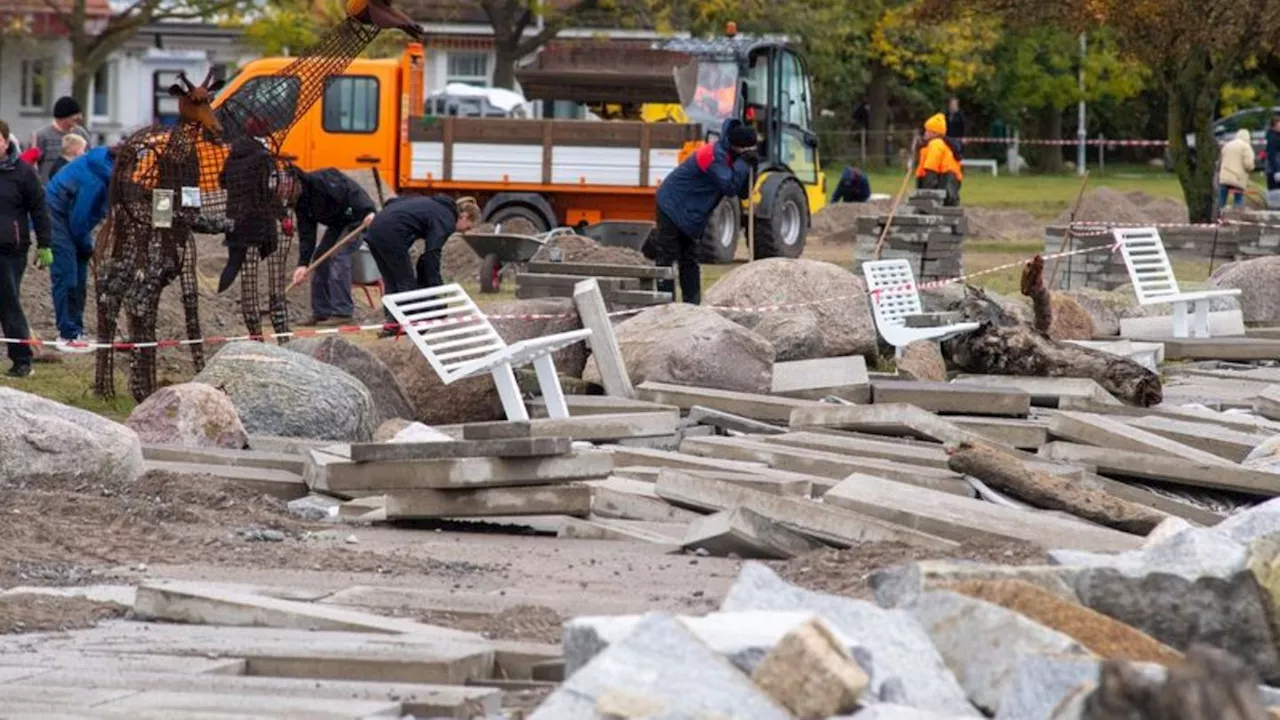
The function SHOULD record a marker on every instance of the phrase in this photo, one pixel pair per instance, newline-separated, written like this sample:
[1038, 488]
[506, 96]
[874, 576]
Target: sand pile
[838, 223]
[582, 249]
[458, 262]
[987, 224]
[1132, 208]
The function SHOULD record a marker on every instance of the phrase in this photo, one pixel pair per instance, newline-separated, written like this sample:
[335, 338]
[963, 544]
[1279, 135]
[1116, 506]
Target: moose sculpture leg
[277, 263]
[191, 297]
[249, 293]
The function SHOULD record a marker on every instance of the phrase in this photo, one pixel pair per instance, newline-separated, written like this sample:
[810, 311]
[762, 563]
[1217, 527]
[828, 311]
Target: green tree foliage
[286, 27]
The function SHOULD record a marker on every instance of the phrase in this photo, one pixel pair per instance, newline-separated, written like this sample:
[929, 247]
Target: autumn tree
[93, 43]
[286, 27]
[1192, 49]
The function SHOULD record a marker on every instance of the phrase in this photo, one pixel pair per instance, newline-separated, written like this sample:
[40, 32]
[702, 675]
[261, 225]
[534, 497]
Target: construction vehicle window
[271, 99]
[350, 105]
[795, 92]
[714, 98]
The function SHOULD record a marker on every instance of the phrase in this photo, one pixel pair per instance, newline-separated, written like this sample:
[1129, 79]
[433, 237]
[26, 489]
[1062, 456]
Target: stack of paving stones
[923, 231]
[623, 286]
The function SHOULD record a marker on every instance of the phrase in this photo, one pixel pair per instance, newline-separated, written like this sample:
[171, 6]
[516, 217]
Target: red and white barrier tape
[352, 329]
[1072, 141]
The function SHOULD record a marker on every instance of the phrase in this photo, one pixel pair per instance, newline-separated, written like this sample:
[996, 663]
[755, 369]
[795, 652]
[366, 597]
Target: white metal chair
[894, 298]
[458, 341]
[1154, 283]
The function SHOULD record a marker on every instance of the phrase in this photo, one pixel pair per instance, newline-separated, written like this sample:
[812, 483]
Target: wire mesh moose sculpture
[216, 171]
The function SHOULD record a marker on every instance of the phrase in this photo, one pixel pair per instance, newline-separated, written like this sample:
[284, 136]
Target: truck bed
[581, 155]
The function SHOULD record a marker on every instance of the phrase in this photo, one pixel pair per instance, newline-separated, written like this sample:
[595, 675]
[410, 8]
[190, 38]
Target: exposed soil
[846, 572]
[838, 223]
[28, 613]
[988, 224]
[534, 623]
[582, 249]
[69, 534]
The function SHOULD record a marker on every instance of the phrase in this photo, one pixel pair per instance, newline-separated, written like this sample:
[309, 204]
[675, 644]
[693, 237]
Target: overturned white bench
[894, 298]
[459, 342]
[1154, 283]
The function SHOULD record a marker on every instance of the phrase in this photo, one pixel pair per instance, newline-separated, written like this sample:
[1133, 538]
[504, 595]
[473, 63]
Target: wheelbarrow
[620, 233]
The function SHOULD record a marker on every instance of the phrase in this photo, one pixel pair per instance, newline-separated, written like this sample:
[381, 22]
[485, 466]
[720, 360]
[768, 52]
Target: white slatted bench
[459, 342]
[894, 298]
[1154, 283]
[984, 163]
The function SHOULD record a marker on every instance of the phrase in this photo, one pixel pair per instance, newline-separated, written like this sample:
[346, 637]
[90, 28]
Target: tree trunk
[504, 66]
[1007, 473]
[1191, 97]
[1051, 155]
[878, 105]
[1003, 346]
[80, 89]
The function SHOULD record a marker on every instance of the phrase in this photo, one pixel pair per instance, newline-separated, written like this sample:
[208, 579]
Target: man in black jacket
[405, 219]
[330, 198]
[22, 207]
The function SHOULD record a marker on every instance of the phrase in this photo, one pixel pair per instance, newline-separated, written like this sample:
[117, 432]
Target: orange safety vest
[723, 98]
[936, 156]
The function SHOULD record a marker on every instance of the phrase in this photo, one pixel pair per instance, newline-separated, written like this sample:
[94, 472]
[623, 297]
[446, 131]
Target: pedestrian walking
[1234, 168]
[77, 201]
[48, 139]
[331, 198]
[22, 207]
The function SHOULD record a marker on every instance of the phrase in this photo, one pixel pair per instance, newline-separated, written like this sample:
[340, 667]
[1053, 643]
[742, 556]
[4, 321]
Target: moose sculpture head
[195, 102]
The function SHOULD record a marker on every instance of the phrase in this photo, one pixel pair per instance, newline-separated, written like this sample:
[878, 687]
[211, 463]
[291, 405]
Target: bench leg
[1200, 326]
[1180, 320]
[549, 382]
[509, 391]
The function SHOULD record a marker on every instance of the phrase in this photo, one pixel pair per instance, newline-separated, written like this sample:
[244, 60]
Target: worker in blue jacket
[688, 196]
[77, 200]
[854, 187]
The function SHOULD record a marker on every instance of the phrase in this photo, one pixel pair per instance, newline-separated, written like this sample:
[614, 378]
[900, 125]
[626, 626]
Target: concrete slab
[120, 594]
[214, 604]
[744, 533]
[954, 399]
[598, 405]
[1267, 404]
[765, 479]
[893, 419]
[1021, 434]
[603, 341]
[820, 373]
[623, 499]
[1157, 328]
[730, 422]
[833, 466]
[600, 426]
[1227, 444]
[964, 519]
[276, 483]
[666, 535]
[432, 700]
[1220, 348]
[572, 499]
[819, 521]
[60, 697]
[335, 475]
[78, 662]
[289, 461]
[768, 408]
[278, 444]
[1044, 391]
[508, 448]
[1234, 421]
[159, 701]
[912, 453]
[1147, 466]
[1106, 432]
[641, 457]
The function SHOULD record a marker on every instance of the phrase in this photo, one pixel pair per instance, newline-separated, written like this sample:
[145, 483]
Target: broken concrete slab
[764, 479]
[1229, 445]
[156, 703]
[280, 484]
[288, 445]
[950, 398]
[643, 457]
[1267, 404]
[745, 533]
[212, 604]
[289, 461]
[623, 499]
[665, 535]
[811, 673]
[1143, 496]
[508, 448]
[834, 466]
[911, 453]
[984, 643]
[896, 643]
[828, 524]
[1021, 434]
[892, 419]
[573, 499]
[1148, 466]
[596, 427]
[768, 408]
[598, 405]
[1107, 432]
[1045, 391]
[843, 377]
[683, 677]
[336, 475]
[729, 422]
[603, 342]
[964, 519]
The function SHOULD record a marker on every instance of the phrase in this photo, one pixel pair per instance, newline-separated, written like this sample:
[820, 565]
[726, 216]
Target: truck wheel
[782, 233]
[720, 239]
[490, 274]
[519, 220]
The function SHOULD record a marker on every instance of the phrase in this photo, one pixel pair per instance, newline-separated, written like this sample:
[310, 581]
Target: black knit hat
[65, 107]
[742, 136]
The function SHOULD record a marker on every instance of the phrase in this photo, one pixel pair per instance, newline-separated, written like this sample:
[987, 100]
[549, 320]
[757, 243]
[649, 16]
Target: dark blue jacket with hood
[77, 197]
[691, 192]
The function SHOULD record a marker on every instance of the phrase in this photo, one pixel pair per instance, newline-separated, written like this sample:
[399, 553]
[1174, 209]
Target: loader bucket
[607, 74]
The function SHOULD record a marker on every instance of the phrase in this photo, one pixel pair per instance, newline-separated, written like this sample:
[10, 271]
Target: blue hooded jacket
[691, 192]
[78, 196]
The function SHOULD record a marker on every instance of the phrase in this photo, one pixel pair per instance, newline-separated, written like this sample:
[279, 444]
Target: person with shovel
[331, 198]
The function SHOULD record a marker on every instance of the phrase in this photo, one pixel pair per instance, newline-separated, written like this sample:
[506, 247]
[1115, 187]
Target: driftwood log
[1003, 345]
[1008, 474]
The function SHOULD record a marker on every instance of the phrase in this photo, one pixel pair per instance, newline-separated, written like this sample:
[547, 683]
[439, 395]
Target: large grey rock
[743, 638]
[829, 313]
[692, 345]
[893, 712]
[1256, 522]
[41, 440]
[189, 414]
[984, 643]
[389, 398]
[1041, 682]
[518, 320]
[660, 671]
[901, 586]
[289, 394]
[1259, 283]
[474, 399]
[1190, 554]
[898, 646]
[1233, 612]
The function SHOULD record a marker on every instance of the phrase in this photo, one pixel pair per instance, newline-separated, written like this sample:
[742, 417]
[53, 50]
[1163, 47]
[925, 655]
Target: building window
[469, 68]
[164, 107]
[35, 85]
[100, 105]
[350, 105]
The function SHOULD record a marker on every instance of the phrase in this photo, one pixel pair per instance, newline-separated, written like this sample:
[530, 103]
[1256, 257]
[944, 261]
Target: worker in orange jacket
[938, 168]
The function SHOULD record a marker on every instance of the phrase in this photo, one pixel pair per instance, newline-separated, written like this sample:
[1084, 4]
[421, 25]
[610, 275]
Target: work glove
[286, 226]
[44, 258]
[752, 159]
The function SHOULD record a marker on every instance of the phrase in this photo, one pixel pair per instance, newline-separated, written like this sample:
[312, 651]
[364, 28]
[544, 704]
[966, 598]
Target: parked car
[1255, 120]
